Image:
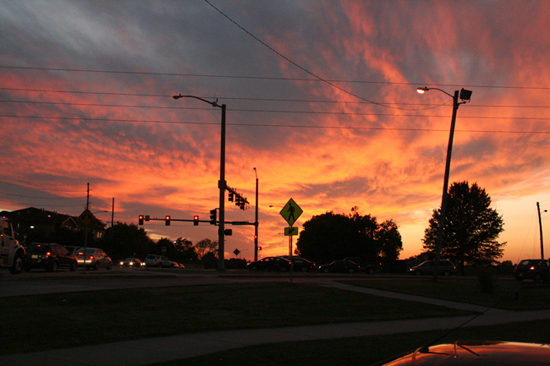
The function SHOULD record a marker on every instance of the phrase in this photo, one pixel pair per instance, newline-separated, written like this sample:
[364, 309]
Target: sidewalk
[148, 351]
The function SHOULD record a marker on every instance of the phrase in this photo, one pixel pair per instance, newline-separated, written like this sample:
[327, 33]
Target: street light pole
[540, 230]
[256, 222]
[464, 95]
[222, 184]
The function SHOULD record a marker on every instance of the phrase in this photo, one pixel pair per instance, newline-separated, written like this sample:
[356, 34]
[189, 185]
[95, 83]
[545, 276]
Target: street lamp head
[176, 97]
[465, 95]
[422, 90]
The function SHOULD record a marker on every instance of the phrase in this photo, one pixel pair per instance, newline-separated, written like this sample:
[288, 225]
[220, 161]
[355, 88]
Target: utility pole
[86, 231]
[540, 229]
[464, 95]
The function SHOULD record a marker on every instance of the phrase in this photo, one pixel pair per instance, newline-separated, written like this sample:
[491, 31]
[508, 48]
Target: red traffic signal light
[167, 220]
[140, 219]
[196, 220]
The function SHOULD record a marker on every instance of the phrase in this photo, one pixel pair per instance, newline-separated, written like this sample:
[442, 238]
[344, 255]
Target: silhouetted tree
[471, 227]
[123, 240]
[166, 247]
[389, 240]
[206, 246]
[186, 251]
[333, 236]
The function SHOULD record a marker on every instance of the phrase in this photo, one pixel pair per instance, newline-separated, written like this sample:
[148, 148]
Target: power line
[310, 101]
[41, 198]
[49, 190]
[45, 205]
[290, 126]
[274, 111]
[273, 78]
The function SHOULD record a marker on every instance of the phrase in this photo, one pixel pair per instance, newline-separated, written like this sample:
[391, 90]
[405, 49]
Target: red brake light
[91, 257]
[532, 268]
[48, 254]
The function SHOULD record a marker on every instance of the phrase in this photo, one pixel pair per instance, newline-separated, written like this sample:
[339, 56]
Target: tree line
[470, 233]
[124, 240]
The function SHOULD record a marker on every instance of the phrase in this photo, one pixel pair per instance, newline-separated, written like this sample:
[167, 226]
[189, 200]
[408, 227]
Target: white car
[154, 260]
[93, 258]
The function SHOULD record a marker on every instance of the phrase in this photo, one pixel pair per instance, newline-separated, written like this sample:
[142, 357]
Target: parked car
[483, 353]
[49, 256]
[71, 248]
[532, 269]
[342, 266]
[300, 264]
[446, 268]
[93, 258]
[369, 267]
[270, 264]
[132, 262]
[154, 260]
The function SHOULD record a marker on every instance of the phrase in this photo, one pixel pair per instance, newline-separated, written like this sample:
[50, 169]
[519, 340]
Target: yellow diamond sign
[291, 212]
[86, 217]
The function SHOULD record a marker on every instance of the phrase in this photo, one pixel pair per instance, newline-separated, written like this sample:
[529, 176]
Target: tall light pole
[464, 96]
[221, 183]
[540, 230]
[256, 221]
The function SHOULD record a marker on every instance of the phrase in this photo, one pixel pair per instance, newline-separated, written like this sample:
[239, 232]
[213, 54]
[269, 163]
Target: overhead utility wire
[287, 112]
[247, 99]
[265, 78]
[41, 198]
[25, 185]
[296, 64]
[279, 125]
[254, 99]
[220, 97]
[42, 204]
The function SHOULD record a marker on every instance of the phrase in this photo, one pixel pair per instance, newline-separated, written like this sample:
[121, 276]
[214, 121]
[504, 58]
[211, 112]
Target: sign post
[290, 212]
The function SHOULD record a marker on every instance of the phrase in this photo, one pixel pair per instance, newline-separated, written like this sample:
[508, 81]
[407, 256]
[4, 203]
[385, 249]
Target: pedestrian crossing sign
[291, 212]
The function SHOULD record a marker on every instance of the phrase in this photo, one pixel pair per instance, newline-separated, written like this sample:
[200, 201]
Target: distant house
[43, 223]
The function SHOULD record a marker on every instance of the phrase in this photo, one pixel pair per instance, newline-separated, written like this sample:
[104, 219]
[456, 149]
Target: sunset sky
[321, 100]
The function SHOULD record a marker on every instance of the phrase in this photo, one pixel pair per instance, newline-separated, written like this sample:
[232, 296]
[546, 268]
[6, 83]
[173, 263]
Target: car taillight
[532, 268]
[48, 254]
[91, 257]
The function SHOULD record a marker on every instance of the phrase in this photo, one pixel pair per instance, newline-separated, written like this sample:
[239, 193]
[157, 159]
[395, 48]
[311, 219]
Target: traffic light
[213, 217]
[167, 220]
[196, 220]
[140, 219]
[231, 196]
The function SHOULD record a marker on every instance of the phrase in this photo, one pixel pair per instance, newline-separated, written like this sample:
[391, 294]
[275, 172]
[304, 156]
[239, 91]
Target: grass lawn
[362, 351]
[505, 294]
[41, 322]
